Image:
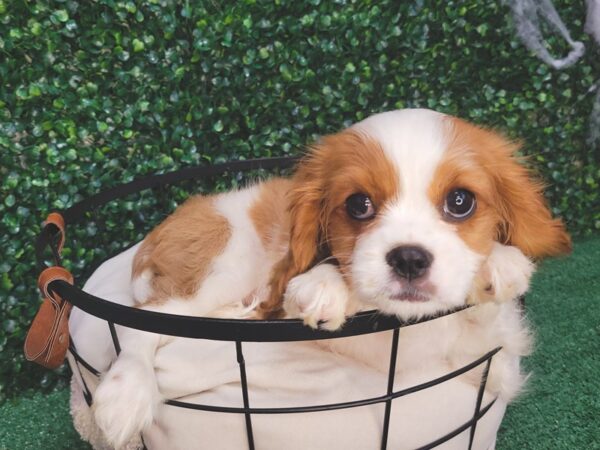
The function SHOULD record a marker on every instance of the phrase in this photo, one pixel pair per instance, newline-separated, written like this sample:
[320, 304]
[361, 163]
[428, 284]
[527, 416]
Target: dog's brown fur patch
[270, 215]
[178, 253]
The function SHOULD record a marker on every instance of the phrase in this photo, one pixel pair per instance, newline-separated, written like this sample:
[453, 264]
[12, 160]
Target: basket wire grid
[240, 331]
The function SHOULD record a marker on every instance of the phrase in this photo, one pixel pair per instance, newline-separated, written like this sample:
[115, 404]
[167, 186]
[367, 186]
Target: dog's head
[410, 203]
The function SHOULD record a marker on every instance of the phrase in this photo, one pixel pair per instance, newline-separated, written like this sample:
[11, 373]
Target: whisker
[329, 258]
[339, 238]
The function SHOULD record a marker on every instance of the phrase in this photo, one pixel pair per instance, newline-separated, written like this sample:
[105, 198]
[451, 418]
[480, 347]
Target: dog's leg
[319, 295]
[127, 398]
[504, 276]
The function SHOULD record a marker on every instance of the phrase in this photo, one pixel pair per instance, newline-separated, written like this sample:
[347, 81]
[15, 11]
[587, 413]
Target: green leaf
[102, 126]
[138, 45]
[61, 15]
[6, 283]
[10, 200]
[218, 126]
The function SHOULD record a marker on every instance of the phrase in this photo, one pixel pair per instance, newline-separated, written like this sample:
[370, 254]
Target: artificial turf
[559, 410]
[561, 407]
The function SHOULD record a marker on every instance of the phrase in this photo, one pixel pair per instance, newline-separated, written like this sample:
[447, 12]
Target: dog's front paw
[319, 295]
[504, 276]
[126, 401]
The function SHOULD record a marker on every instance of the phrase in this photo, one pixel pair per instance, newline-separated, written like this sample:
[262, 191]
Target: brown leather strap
[48, 337]
[51, 274]
[59, 222]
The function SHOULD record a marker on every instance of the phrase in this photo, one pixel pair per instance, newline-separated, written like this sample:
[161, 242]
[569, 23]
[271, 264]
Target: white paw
[319, 295]
[504, 276]
[126, 401]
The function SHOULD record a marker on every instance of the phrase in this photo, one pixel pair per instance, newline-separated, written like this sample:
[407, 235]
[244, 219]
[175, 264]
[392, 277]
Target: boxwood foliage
[94, 94]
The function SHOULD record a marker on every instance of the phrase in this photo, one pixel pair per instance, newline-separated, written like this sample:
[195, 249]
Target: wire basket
[241, 331]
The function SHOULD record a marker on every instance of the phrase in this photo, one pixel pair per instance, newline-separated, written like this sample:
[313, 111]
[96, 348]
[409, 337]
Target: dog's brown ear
[305, 208]
[524, 218]
[527, 222]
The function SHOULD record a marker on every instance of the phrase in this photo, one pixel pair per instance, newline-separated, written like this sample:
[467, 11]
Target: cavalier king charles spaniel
[410, 212]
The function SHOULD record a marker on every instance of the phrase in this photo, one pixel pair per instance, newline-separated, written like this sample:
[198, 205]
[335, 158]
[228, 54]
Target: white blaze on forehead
[414, 140]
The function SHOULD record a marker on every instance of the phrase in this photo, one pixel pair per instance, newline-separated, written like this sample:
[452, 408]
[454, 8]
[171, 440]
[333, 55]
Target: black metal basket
[240, 331]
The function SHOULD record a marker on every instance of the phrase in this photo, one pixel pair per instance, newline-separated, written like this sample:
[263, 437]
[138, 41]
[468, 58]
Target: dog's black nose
[409, 262]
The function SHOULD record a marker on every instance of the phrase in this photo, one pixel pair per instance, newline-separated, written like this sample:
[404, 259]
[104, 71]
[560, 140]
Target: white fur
[415, 141]
[150, 368]
[141, 286]
[127, 400]
[509, 272]
[319, 295]
[453, 269]
[233, 277]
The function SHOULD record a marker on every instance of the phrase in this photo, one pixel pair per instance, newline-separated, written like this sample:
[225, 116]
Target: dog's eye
[360, 207]
[460, 204]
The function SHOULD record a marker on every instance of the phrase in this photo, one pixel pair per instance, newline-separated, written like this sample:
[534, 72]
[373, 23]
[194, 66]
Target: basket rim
[219, 329]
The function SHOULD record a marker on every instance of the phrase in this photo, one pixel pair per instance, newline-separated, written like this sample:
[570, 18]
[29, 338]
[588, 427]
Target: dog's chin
[410, 304]
[412, 295]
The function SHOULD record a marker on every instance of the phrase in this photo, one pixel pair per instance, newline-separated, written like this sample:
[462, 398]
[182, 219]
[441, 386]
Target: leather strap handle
[47, 340]
[53, 225]
[58, 221]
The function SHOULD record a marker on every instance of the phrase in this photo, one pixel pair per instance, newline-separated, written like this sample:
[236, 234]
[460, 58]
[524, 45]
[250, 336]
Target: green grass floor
[559, 410]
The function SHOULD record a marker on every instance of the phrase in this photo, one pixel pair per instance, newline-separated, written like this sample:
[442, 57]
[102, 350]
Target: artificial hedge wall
[97, 93]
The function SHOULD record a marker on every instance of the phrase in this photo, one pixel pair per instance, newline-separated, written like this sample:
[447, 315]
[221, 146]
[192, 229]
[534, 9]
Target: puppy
[411, 212]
